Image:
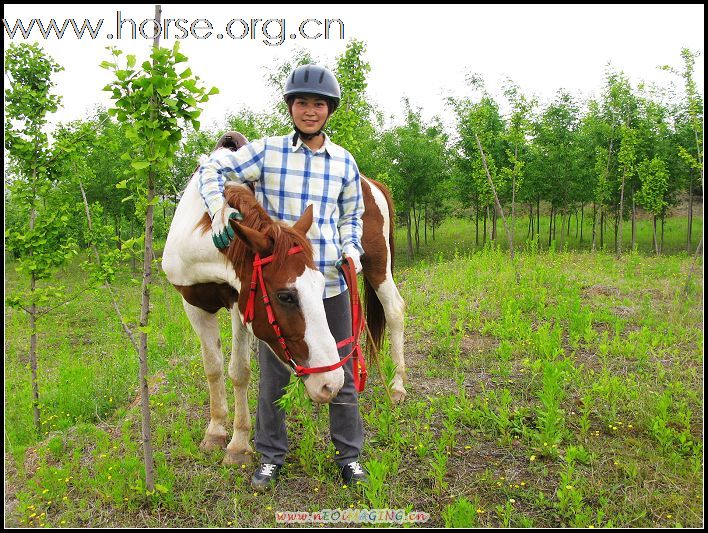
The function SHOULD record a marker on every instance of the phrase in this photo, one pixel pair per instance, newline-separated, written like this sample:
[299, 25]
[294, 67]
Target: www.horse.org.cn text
[271, 32]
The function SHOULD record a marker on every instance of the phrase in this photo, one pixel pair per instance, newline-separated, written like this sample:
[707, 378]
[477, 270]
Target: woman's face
[310, 113]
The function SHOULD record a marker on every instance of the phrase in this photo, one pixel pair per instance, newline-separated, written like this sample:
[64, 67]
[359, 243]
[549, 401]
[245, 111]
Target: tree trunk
[634, 222]
[550, 228]
[417, 231]
[538, 220]
[621, 213]
[145, 313]
[690, 212]
[513, 209]
[484, 227]
[594, 225]
[602, 227]
[476, 221]
[33, 332]
[656, 242]
[33, 338]
[661, 247]
[577, 224]
[410, 237]
[529, 226]
[494, 225]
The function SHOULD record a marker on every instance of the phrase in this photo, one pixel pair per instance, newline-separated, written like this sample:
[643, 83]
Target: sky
[423, 52]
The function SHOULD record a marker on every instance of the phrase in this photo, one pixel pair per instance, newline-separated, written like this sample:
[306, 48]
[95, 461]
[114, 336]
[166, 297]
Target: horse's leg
[239, 449]
[206, 325]
[393, 306]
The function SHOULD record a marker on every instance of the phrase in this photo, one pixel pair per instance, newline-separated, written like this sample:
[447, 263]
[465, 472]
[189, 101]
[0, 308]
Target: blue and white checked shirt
[287, 179]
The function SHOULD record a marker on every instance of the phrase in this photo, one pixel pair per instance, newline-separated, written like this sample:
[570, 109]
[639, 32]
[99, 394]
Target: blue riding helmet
[313, 79]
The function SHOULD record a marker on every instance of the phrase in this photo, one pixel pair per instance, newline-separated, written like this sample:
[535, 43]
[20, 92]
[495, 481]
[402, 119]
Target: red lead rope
[358, 323]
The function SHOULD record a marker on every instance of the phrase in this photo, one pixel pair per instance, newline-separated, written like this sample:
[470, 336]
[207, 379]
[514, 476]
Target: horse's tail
[375, 317]
[375, 320]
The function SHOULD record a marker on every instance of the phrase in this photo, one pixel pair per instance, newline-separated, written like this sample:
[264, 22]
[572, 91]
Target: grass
[571, 399]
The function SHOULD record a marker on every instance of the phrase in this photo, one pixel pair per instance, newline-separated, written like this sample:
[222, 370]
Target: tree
[40, 243]
[151, 102]
[690, 146]
[350, 124]
[654, 178]
[479, 119]
[556, 146]
[518, 130]
[417, 154]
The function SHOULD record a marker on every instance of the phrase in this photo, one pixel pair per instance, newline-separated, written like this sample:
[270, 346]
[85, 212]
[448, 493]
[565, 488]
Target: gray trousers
[345, 424]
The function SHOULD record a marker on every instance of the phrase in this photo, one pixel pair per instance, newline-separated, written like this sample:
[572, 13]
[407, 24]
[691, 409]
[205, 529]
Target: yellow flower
[533, 457]
[669, 516]
[512, 500]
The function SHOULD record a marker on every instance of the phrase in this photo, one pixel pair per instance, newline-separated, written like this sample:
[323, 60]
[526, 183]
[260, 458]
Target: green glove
[221, 231]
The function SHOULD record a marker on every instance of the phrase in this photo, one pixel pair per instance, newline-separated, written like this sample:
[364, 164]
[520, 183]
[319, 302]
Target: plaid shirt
[287, 179]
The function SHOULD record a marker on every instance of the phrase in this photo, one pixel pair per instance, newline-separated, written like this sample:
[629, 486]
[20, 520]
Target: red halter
[358, 323]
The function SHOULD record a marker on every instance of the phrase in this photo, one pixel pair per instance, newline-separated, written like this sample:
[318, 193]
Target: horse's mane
[282, 236]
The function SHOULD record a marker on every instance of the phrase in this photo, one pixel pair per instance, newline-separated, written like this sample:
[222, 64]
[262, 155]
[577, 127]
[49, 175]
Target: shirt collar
[331, 148]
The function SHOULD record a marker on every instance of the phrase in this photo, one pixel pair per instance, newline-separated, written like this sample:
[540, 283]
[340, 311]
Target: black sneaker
[265, 476]
[353, 473]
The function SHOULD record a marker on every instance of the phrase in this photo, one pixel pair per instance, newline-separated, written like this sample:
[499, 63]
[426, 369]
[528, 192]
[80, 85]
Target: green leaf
[140, 165]
[131, 60]
[145, 329]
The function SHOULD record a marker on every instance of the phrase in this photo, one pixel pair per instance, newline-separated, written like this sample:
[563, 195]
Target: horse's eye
[288, 298]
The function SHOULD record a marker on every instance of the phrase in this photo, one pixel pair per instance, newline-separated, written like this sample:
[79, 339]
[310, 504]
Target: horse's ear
[303, 225]
[255, 240]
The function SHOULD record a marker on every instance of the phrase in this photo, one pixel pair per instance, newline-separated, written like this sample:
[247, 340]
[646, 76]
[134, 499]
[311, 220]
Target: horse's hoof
[241, 458]
[209, 444]
[398, 395]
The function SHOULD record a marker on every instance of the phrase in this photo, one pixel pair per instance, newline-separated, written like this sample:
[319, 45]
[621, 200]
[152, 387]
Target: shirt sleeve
[351, 209]
[245, 164]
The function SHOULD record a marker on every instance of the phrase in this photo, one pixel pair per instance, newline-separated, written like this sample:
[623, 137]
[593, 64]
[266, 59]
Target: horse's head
[294, 287]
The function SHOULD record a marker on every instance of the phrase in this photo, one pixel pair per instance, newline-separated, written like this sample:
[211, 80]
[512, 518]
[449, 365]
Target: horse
[276, 259]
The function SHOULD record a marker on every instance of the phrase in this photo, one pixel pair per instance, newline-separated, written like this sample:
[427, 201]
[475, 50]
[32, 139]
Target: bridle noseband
[357, 320]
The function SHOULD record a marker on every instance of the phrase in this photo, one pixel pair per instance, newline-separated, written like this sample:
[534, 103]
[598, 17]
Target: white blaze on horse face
[321, 345]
